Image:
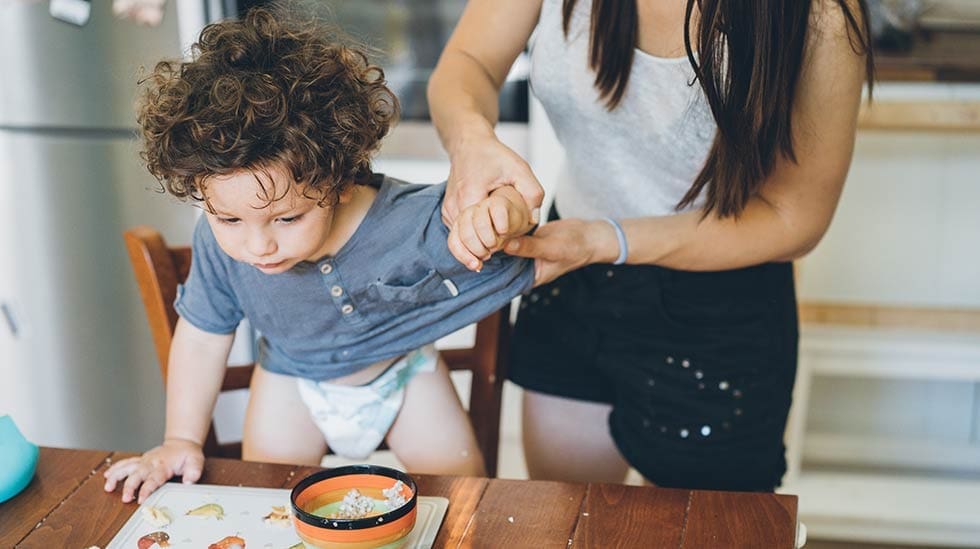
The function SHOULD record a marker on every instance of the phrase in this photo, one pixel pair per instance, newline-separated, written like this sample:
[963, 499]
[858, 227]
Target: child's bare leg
[432, 433]
[278, 426]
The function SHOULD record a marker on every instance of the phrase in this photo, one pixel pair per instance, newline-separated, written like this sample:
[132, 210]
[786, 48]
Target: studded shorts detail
[698, 366]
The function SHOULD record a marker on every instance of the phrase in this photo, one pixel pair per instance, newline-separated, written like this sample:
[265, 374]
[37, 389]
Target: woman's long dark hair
[751, 96]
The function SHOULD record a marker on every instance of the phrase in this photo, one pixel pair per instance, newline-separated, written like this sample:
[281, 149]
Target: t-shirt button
[326, 268]
[347, 309]
[336, 291]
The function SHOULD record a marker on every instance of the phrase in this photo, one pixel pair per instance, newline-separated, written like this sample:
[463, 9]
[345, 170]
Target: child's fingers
[118, 471]
[460, 252]
[501, 218]
[154, 480]
[133, 482]
[465, 227]
[193, 467]
[485, 232]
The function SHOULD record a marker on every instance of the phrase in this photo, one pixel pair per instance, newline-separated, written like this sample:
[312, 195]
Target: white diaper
[354, 419]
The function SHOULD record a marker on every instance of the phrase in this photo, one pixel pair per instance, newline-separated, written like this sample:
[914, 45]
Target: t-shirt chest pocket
[395, 297]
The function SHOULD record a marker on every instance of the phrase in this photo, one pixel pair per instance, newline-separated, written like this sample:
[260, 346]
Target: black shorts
[698, 366]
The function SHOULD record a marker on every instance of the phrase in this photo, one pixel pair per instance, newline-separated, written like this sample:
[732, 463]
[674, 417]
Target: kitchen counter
[941, 56]
[936, 84]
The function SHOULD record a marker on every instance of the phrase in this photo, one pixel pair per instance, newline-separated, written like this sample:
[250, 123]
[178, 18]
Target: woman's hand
[149, 471]
[481, 165]
[565, 245]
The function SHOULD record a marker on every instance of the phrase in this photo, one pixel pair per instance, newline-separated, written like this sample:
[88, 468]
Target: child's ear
[345, 195]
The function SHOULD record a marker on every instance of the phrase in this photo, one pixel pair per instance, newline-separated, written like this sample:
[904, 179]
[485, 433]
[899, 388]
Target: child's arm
[484, 228]
[195, 373]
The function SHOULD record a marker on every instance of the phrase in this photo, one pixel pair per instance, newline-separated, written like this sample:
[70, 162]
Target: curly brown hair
[269, 88]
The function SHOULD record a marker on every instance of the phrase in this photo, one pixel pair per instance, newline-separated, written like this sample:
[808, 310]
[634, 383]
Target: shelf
[898, 509]
[861, 449]
[892, 353]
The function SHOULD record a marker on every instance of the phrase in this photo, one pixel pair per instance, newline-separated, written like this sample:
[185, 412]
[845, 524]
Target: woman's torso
[638, 159]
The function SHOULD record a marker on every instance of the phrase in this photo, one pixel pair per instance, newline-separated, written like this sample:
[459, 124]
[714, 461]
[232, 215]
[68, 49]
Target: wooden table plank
[233, 472]
[615, 515]
[464, 494]
[515, 513]
[78, 524]
[90, 516]
[59, 473]
[732, 519]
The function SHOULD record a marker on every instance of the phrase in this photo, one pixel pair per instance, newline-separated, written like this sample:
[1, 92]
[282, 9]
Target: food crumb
[585, 514]
[156, 516]
[393, 496]
[279, 516]
[510, 519]
[354, 506]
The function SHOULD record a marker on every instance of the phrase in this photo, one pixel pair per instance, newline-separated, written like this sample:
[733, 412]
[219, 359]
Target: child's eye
[287, 220]
[228, 220]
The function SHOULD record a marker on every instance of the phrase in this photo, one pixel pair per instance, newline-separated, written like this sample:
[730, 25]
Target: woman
[707, 145]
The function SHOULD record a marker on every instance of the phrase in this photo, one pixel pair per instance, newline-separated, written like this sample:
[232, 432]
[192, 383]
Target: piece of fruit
[230, 542]
[161, 539]
[208, 510]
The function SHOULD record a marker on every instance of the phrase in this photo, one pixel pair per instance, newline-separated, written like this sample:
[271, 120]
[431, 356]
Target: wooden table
[65, 506]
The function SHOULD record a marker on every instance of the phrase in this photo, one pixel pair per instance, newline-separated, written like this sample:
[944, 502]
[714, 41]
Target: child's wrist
[182, 440]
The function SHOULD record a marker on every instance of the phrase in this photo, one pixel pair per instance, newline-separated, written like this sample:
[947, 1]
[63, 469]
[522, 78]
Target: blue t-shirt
[392, 288]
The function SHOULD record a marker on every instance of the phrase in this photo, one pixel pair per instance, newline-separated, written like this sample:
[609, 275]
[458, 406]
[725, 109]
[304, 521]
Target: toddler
[346, 274]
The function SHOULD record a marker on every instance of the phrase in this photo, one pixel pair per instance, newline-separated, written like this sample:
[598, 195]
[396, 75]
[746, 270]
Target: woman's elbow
[802, 241]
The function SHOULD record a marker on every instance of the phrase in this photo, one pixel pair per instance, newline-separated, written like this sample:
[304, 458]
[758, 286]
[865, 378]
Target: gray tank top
[636, 160]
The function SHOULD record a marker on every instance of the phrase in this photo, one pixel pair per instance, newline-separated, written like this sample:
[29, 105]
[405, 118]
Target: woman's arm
[463, 96]
[784, 222]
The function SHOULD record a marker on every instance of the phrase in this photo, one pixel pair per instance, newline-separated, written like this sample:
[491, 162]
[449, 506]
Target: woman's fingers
[533, 195]
[524, 246]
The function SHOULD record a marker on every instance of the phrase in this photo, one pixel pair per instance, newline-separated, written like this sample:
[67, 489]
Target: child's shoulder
[392, 189]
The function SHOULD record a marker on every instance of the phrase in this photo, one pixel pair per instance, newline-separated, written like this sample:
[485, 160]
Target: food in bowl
[355, 507]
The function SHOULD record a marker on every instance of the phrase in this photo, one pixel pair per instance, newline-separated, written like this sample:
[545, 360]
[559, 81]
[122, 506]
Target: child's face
[273, 237]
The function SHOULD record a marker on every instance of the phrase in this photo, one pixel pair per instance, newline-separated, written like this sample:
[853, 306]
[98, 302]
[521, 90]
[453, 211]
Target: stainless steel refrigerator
[76, 361]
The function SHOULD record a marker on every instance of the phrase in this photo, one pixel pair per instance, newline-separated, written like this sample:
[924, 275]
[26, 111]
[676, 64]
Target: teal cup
[18, 459]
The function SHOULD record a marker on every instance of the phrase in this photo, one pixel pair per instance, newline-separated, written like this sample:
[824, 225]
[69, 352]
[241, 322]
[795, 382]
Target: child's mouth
[268, 266]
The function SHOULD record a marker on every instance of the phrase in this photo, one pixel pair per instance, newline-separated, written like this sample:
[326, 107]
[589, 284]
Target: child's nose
[260, 244]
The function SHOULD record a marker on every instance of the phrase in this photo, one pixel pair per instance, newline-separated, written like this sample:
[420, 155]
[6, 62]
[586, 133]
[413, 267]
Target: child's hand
[149, 471]
[485, 228]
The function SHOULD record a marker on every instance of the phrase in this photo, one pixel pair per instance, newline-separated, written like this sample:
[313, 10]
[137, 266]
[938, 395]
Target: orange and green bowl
[319, 495]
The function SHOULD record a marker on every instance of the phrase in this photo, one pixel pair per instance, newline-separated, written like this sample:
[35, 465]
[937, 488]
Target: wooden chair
[159, 269]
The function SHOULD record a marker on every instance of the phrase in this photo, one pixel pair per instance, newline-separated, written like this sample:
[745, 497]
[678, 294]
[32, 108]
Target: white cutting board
[244, 509]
